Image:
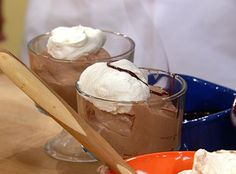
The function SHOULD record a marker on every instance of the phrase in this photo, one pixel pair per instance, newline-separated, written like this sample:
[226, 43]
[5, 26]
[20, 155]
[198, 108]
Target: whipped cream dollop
[101, 81]
[219, 162]
[69, 43]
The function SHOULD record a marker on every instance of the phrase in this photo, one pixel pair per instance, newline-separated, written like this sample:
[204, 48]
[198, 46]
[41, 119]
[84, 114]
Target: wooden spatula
[61, 112]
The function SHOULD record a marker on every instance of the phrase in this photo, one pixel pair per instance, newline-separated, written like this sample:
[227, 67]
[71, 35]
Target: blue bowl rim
[211, 84]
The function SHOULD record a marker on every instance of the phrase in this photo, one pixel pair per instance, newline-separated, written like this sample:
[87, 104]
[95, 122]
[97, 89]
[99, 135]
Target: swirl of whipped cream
[69, 43]
[103, 82]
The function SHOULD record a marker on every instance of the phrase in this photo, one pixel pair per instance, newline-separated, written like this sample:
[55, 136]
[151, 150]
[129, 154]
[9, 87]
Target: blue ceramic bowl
[212, 131]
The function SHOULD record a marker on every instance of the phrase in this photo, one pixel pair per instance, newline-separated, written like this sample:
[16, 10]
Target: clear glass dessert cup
[61, 75]
[140, 127]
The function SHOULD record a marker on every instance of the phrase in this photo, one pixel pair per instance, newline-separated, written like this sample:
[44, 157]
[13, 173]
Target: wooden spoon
[61, 112]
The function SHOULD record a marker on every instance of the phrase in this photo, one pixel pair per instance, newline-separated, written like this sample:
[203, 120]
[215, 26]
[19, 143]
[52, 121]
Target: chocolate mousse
[132, 125]
[148, 127]
[62, 75]
[68, 52]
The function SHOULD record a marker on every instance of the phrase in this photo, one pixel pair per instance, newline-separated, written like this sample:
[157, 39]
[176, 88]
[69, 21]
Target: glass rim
[180, 93]
[130, 50]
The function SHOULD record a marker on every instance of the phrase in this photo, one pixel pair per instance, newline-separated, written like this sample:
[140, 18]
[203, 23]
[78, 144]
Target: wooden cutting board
[23, 132]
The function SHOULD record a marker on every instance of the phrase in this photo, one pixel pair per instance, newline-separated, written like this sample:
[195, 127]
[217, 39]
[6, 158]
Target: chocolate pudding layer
[148, 127]
[61, 75]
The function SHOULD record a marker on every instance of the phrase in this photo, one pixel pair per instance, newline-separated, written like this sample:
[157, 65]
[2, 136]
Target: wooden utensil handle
[61, 112]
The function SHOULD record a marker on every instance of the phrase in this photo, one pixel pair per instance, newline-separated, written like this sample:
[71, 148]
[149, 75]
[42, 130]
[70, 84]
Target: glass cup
[146, 126]
[61, 75]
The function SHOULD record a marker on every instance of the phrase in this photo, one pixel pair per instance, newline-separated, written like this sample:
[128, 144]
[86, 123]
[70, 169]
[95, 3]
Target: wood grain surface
[23, 132]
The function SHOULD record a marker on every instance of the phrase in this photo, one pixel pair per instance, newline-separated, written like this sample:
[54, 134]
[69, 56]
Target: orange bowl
[162, 163]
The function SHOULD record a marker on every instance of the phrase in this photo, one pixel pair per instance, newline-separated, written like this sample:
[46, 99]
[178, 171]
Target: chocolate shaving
[160, 93]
